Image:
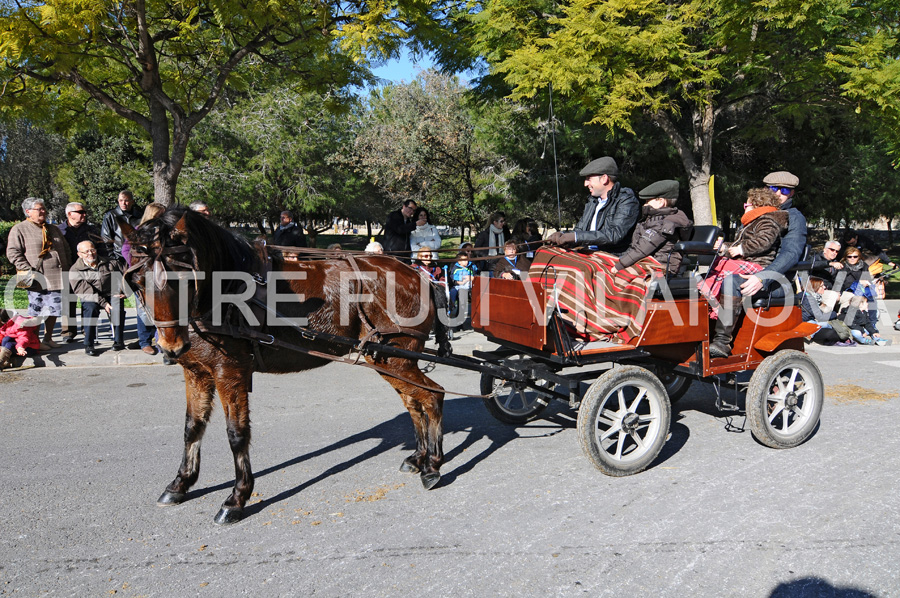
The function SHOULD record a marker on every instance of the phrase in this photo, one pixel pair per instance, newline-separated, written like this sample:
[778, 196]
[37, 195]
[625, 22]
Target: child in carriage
[753, 249]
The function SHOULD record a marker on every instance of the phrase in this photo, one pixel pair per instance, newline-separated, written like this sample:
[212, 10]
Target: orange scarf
[46, 241]
[755, 213]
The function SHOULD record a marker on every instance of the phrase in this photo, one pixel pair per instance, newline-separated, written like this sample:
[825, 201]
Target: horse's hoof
[407, 467]
[430, 480]
[169, 499]
[228, 516]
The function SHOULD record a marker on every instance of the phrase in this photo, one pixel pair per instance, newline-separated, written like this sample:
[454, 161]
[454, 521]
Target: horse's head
[164, 271]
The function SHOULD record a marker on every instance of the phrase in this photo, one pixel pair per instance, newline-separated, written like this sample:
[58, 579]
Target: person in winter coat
[659, 228]
[490, 241]
[397, 227]
[35, 245]
[610, 214]
[754, 248]
[18, 335]
[92, 280]
[425, 235]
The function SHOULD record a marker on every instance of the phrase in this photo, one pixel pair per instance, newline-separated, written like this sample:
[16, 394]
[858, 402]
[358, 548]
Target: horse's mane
[217, 249]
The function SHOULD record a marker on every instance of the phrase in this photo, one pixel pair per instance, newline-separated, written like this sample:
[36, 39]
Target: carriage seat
[701, 243]
[762, 299]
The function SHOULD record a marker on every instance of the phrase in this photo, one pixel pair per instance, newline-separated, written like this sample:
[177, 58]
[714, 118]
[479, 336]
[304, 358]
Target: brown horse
[178, 261]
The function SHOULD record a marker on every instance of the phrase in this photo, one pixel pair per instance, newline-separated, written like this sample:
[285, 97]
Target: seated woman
[512, 266]
[814, 308]
[753, 249]
[602, 296]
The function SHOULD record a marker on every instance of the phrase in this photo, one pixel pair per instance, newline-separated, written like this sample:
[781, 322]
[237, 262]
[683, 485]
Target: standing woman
[36, 246]
[425, 235]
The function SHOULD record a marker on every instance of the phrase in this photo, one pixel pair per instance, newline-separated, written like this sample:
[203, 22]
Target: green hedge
[5, 267]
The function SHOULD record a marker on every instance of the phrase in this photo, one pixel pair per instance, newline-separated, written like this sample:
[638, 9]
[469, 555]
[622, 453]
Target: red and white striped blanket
[594, 299]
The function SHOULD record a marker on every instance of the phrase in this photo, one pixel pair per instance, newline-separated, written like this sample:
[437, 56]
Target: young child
[19, 334]
[752, 250]
[512, 265]
[461, 276]
[657, 231]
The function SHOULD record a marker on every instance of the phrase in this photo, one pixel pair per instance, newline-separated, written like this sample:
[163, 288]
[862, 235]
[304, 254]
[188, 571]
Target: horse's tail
[439, 301]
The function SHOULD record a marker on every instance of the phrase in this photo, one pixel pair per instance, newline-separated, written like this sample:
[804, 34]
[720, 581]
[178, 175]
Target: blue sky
[403, 69]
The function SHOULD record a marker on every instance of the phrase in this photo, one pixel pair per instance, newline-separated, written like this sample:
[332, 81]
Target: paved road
[520, 511]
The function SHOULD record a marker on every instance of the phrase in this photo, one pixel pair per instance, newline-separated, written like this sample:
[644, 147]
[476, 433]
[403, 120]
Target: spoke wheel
[676, 386]
[784, 399]
[514, 402]
[624, 420]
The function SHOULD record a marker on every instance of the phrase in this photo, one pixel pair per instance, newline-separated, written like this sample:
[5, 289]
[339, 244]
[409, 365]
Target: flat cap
[604, 165]
[667, 189]
[782, 178]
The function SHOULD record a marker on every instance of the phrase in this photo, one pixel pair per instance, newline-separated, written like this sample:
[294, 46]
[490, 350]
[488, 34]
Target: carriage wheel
[513, 402]
[676, 385]
[624, 420]
[784, 399]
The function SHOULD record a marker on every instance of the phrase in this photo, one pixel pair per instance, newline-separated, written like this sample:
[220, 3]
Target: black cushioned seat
[702, 240]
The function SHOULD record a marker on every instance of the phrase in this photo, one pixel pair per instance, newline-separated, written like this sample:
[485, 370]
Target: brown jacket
[96, 284]
[655, 235]
[24, 246]
[759, 239]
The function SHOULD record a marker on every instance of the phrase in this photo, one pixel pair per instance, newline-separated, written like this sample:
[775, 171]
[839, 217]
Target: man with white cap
[610, 214]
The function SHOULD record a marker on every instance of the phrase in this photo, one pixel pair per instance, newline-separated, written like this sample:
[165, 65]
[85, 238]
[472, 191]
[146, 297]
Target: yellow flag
[712, 198]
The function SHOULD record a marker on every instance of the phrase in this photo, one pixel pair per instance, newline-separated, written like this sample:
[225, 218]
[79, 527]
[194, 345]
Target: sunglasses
[77, 212]
[852, 257]
[782, 190]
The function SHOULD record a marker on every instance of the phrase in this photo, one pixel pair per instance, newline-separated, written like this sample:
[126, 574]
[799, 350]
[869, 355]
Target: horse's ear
[179, 232]
[126, 228]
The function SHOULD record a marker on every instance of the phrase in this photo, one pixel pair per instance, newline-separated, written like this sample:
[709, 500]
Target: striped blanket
[722, 267]
[594, 300]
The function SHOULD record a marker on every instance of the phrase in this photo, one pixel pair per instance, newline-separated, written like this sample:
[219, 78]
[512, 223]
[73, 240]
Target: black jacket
[85, 232]
[655, 235]
[615, 222]
[289, 236]
[396, 231]
[112, 233]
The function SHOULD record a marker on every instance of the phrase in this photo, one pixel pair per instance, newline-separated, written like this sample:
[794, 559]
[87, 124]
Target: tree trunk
[696, 156]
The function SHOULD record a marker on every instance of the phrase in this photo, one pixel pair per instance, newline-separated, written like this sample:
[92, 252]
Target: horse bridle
[160, 274]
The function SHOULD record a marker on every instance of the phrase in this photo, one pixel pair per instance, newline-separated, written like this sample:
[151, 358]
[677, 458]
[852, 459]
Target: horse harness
[204, 327]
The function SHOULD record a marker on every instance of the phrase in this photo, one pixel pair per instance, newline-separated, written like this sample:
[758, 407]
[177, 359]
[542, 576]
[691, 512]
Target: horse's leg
[233, 386]
[199, 388]
[426, 410]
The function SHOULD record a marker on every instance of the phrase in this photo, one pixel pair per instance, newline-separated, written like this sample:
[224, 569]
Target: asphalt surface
[88, 447]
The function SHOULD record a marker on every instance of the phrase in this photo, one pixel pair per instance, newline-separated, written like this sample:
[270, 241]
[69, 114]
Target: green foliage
[164, 65]
[425, 141]
[28, 155]
[5, 265]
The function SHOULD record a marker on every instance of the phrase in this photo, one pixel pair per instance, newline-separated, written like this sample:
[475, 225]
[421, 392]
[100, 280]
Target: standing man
[75, 229]
[110, 229]
[610, 214]
[92, 280]
[289, 234]
[397, 227]
[35, 245]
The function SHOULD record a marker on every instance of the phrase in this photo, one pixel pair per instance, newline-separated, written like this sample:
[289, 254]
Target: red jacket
[26, 336]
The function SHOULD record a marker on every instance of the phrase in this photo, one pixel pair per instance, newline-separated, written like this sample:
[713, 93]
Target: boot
[5, 358]
[720, 345]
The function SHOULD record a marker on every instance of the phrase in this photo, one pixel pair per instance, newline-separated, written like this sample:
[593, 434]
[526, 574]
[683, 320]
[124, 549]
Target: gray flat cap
[782, 178]
[667, 189]
[604, 165]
